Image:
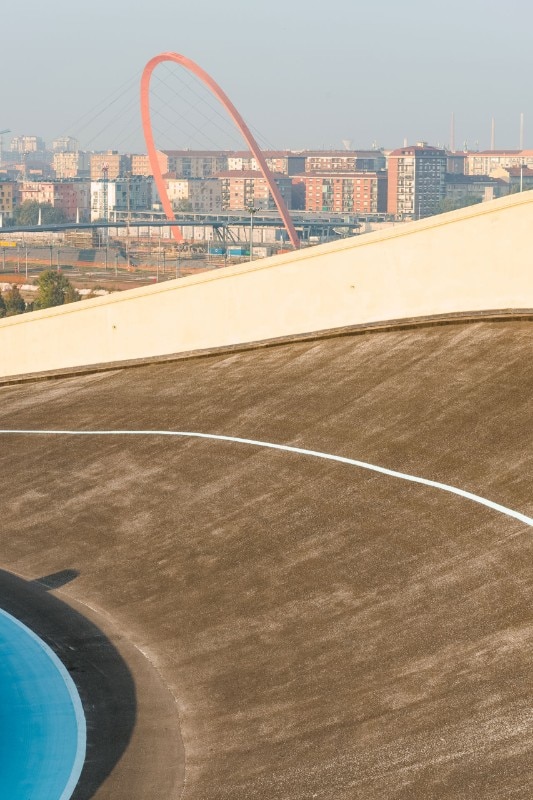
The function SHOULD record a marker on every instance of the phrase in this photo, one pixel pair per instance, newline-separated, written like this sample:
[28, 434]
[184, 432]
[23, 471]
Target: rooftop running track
[318, 567]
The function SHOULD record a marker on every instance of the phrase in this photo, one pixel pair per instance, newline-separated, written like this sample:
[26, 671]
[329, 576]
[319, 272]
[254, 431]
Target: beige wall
[469, 260]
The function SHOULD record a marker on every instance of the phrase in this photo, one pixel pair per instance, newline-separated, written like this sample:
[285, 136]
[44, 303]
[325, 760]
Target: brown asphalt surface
[321, 630]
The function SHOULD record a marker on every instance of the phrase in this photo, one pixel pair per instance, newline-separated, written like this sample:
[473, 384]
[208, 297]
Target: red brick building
[72, 197]
[345, 192]
[242, 189]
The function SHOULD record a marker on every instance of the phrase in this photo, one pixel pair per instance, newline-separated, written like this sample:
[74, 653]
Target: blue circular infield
[42, 724]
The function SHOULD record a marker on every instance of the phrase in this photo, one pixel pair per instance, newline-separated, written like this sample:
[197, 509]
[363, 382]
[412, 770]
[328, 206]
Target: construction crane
[2, 144]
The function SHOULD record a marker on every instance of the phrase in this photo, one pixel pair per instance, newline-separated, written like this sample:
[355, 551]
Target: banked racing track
[247, 621]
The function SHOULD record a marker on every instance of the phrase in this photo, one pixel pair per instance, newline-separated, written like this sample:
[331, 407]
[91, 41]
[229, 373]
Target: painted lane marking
[509, 512]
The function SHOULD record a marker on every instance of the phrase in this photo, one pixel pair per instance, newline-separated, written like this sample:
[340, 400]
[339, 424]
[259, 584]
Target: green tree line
[54, 289]
[27, 213]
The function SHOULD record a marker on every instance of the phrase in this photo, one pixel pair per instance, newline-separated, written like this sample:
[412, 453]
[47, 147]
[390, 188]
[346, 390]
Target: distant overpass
[323, 225]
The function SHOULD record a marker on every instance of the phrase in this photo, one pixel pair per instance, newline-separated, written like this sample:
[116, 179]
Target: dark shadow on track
[103, 680]
[57, 579]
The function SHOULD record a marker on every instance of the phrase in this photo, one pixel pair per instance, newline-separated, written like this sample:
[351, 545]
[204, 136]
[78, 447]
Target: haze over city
[266, 314]
[305, 75]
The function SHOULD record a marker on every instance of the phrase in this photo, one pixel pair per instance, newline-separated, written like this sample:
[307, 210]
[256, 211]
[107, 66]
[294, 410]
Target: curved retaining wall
[470, 260]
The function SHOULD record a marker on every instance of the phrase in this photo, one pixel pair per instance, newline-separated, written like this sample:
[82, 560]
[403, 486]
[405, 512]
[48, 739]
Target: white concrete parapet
[470, 260]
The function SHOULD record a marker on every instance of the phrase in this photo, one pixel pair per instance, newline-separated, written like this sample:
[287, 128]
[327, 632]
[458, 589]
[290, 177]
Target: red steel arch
[236, 117]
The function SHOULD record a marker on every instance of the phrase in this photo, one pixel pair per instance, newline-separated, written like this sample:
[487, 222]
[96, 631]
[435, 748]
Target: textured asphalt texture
[308, 629]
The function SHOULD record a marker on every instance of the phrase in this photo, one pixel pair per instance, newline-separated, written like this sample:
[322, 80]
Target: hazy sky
[303, 73]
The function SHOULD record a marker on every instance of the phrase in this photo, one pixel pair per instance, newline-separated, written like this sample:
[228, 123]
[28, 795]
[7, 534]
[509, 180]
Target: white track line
[300, 451]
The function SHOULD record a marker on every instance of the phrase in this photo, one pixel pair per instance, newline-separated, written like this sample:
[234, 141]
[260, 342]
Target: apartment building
[344, 160]
[358, 192]
[207, 163]
[140, 164]
[8, 198]
[27, 144]
[29, 166]
[134, 193]
[284, 162]
[65, 144]
[71, 164]
[464, 189]
[516, 179]
[417, 181]
[118, 165]
[200, 195]
[455, 162]
[71, 197]
[193, 163]
[243, 189]
[486, 162]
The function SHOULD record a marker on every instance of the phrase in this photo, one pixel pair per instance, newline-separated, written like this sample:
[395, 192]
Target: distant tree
[71, 294]
[3, 310]
[515, 187]
[183, 205]
[14, 301]
[28, 214]
[54, 290]
[447, 204]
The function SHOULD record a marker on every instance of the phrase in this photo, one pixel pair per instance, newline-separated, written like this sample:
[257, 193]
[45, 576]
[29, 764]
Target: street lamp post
[158, 255]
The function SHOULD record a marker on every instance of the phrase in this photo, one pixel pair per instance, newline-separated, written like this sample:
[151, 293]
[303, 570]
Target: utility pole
[105, 182]
[252, 211]
[158, 255]
[128, 178]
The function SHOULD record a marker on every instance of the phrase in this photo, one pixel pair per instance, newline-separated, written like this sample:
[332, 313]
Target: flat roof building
[243, 189]
[417, 181]
[345, 192]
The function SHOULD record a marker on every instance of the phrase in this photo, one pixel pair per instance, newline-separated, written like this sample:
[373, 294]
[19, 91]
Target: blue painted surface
[42, 725]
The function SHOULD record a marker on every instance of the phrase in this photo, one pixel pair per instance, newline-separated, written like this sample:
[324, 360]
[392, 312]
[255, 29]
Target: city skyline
[302, 79]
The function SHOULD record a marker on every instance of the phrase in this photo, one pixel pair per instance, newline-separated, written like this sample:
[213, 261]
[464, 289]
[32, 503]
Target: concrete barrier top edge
[273, 262]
